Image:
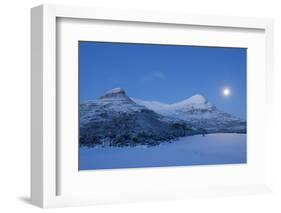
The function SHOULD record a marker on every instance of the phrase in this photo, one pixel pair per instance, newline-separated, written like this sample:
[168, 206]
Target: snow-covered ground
[191, 150]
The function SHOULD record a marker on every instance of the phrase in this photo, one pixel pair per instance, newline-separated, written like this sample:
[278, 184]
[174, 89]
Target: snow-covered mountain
[200, 113]
[195, 103]
[116, 120]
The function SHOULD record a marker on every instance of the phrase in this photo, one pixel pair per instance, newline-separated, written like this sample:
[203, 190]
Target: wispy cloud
[153, 76]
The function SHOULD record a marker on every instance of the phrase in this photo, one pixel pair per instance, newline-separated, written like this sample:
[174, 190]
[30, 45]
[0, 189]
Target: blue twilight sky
[165, 73]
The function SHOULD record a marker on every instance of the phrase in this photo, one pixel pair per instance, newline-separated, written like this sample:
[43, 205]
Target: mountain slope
[116, 120]
[199, 113]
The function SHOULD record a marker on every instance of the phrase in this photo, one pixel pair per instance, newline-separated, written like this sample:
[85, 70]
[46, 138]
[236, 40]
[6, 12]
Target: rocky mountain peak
[115, 93]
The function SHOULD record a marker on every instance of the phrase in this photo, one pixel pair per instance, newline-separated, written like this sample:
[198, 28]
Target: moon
[226, 91]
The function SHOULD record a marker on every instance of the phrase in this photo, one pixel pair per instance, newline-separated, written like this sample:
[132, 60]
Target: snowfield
[222, 148]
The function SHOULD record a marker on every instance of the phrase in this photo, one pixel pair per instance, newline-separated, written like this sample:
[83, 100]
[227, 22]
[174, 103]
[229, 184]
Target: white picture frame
[45, 168]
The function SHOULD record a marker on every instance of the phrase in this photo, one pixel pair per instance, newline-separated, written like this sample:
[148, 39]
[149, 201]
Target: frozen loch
[218, 148]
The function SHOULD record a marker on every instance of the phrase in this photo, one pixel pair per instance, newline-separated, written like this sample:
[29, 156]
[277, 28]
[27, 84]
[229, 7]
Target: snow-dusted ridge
[198, 112]
[197, 101]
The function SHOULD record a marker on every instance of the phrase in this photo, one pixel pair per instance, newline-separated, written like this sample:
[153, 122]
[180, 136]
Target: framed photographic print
[182, 127]
[130, 106]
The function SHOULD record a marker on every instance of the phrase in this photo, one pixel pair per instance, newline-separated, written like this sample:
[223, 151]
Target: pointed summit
[115, 90]
[197, 99]
[114, 93]
[193, 100]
